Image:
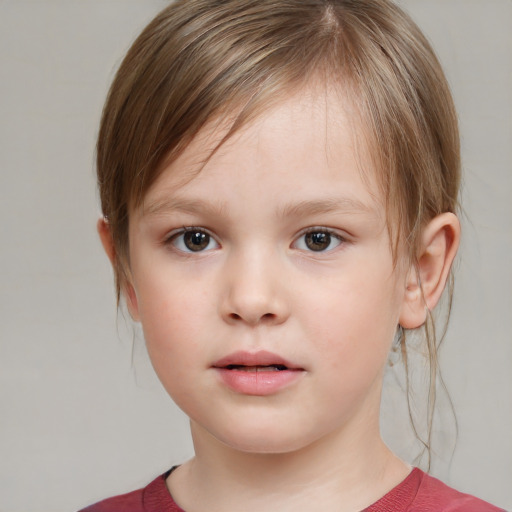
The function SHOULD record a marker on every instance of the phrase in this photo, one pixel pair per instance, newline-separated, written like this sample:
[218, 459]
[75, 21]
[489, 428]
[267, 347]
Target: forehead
[313, 128]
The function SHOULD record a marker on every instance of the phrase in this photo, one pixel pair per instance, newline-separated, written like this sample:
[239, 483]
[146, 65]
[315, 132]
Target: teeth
[270, 368]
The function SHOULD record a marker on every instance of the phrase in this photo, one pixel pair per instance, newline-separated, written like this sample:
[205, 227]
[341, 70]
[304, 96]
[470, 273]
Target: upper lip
[260, 358]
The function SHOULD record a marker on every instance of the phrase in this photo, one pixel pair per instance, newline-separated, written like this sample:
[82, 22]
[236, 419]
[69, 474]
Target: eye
[193, 240]
[318, 240]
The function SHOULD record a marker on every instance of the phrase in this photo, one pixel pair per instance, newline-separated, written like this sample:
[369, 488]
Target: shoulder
[435, 496]
[130, 502]
[155, 497]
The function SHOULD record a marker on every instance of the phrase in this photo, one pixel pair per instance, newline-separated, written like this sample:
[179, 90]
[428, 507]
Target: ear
[126, 287]
[106, 239]
[427, 278]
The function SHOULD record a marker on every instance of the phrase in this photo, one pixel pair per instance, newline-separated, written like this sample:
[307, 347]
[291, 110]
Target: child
[279, 182]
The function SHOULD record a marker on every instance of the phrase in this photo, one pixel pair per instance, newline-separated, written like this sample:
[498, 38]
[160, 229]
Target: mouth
[258, 374]
[269, 368]
[261, 361]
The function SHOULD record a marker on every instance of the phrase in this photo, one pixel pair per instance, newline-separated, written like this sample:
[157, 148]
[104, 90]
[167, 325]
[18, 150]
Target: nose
[254, 290]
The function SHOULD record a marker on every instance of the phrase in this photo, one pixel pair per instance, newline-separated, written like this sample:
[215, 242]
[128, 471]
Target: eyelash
[178, 238]
[333, 236]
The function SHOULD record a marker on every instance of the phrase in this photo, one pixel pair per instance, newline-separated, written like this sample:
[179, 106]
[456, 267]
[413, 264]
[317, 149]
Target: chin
[263, 440]
[262, 446]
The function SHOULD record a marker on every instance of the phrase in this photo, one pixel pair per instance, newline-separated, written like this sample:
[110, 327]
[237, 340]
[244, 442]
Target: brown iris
[317, 241]
[196, 240]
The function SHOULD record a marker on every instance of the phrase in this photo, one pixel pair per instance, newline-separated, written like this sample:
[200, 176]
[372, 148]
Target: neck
[343, 471]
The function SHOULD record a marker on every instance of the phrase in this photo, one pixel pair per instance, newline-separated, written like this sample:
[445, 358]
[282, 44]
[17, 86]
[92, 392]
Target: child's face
[275, 253]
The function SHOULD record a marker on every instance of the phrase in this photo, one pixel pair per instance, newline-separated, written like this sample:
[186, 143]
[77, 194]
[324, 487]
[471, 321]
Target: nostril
[267, 317]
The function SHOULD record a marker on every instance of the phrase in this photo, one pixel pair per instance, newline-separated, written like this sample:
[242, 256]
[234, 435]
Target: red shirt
[419, 492]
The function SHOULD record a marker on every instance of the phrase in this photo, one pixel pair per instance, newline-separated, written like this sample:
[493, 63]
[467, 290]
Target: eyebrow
[184, 205]
[301, 209]
[328, 205]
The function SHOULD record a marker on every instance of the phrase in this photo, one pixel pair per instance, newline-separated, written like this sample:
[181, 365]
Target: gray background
[81, 415]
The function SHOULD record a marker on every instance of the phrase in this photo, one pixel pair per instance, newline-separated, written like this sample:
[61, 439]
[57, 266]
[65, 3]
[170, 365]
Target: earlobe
[427, 278]
[126, 287]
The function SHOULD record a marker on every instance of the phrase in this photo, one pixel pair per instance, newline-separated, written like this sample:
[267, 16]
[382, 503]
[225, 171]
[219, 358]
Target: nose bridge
[255, 292]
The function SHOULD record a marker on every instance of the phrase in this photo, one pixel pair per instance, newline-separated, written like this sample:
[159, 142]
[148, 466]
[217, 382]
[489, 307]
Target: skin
[258, 285]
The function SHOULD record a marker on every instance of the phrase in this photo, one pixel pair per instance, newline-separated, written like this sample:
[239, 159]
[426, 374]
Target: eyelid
[334, 233]
[186, 229]
[175, 233]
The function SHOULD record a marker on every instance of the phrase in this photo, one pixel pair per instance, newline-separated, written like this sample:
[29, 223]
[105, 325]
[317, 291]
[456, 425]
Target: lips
[269, 368]
[258, 374]
[259, 359]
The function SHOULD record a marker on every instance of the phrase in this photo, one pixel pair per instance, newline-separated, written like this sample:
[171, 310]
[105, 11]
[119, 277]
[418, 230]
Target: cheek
[171, 314]
[355, 322]
[172, 341]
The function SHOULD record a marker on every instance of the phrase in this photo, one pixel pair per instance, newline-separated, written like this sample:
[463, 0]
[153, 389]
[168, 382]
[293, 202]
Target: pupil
[318, 241]
[196, 240]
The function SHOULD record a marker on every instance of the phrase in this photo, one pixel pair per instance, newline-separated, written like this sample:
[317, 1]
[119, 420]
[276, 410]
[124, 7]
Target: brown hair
[201, 59]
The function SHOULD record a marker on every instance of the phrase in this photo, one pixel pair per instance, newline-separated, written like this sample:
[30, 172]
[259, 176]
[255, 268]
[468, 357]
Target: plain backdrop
[81, 415]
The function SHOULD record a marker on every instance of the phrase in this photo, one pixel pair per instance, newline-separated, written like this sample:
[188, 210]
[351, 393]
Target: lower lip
[258, 383]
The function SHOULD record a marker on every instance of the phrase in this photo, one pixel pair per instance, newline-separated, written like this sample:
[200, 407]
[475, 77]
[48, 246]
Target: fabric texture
[419, 492]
